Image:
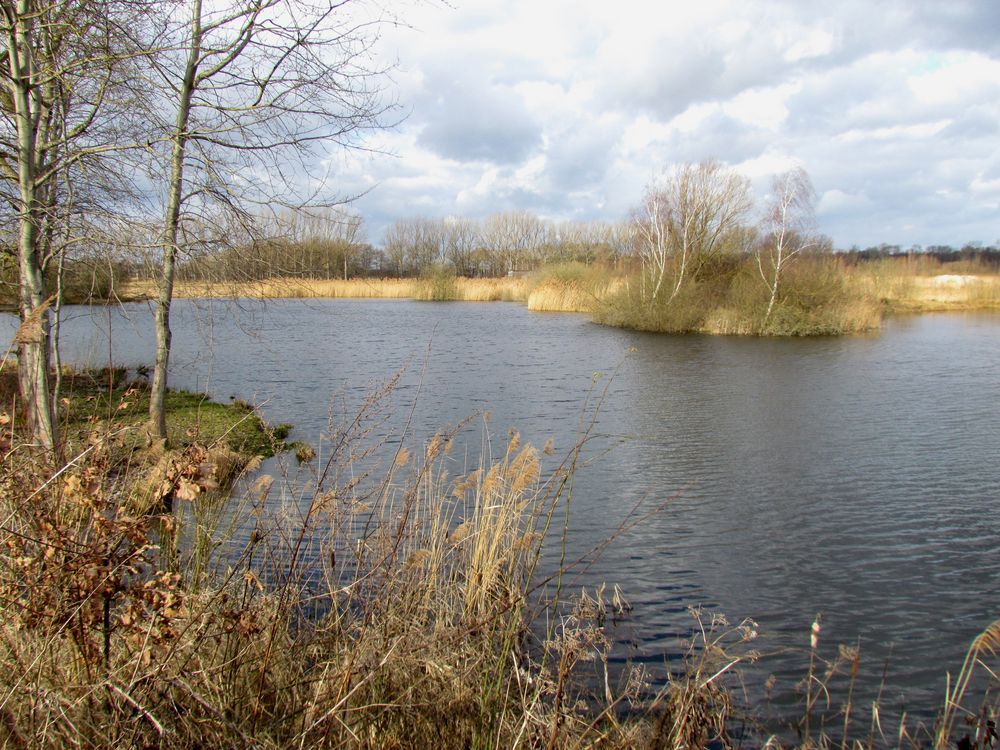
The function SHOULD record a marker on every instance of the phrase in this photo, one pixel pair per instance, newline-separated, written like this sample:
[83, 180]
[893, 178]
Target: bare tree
[414, 245]
[584, 240]
[684, 220]
[621, 240]
[514, 238]
[426, 246]
[395, 243]
[461, 239]
[258, 89]
[63, 64]
[788, 228]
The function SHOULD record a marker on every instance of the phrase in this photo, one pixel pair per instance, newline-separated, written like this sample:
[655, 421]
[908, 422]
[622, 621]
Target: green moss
[106, 397]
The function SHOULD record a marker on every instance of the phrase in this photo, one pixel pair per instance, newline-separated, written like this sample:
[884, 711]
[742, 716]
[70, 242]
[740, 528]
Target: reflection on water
[857, 477]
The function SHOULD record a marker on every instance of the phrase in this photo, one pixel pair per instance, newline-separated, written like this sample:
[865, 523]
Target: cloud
[568, 107]
[467, 121]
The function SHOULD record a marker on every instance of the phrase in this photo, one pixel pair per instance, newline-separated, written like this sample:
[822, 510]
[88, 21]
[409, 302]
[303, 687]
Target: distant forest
[984, 255]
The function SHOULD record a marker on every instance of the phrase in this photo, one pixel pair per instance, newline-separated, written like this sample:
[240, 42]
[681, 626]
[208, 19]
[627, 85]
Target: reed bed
[513, 289]
[444, 287]
[335, 605]
[919, 284]
[572, 287]
[820, 296]
[552, 295]
[380, 594]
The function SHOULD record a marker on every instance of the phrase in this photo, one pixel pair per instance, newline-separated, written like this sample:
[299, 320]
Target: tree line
[333, 244]
[987, 256]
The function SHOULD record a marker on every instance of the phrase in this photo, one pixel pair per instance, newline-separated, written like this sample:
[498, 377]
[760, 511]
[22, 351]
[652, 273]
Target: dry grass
[506, 289]
[356, 604]
[866, 291]
[924, 287]
[349, 607]
[572, 287]
[953, 292]
[981, 653]
[468, 290]
[553, 295]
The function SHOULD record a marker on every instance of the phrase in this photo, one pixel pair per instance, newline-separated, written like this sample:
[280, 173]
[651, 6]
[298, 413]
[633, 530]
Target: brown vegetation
[358, 607]
[465, 289]
[820, 294]
[395, 610]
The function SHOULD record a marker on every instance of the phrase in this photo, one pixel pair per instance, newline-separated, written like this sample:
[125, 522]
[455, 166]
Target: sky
[570, 108]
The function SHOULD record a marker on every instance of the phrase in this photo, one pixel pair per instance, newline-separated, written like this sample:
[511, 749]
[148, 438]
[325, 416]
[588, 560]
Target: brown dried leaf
[186, 490]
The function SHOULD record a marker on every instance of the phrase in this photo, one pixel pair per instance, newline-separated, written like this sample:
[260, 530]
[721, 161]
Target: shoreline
[898, 295]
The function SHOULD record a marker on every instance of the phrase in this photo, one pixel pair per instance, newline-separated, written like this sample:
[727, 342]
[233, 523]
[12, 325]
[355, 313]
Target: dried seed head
[434, 447]
[461, 532]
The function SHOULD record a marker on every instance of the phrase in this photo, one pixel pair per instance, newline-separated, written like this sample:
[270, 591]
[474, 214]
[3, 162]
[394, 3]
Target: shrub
[437, 284]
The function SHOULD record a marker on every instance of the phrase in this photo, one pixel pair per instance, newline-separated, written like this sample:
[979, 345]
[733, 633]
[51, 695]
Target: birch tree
[788, 227]
[259, 89]
[683, 221]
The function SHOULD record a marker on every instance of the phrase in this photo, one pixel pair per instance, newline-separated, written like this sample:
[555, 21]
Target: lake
[856, 477]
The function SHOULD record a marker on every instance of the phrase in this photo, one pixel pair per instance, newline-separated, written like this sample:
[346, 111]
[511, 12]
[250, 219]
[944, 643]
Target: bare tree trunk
[33, 336]
[171, 229]
[33, 367]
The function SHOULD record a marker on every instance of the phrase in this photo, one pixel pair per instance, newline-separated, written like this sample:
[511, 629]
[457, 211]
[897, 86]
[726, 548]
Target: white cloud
[568, 108]
[808, 44]
[837, 202]
[764, 107]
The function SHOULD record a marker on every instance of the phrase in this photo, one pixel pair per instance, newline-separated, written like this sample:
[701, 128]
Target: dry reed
[344, 607]
[465, 289]
[922, 286]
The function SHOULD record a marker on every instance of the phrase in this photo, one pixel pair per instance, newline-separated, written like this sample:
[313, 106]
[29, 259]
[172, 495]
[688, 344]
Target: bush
[437, 284]
[815, 299]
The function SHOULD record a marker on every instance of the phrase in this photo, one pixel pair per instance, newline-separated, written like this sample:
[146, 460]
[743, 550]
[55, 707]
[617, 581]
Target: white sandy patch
[951, 279]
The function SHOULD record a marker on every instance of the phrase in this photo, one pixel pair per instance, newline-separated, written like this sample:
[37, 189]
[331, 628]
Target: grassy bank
[99, 400]
[903, 286]
[209, 444]
[513, 289]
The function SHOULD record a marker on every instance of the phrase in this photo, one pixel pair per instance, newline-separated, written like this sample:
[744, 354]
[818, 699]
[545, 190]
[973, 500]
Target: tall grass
[926, 285]
[360, 603]
[819, 295]
[570, 287]
[449, 288]
[437, 284]
[361, 607]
